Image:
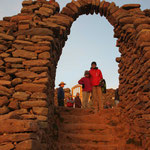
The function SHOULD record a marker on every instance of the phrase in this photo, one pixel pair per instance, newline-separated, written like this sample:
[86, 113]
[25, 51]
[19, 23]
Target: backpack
[103, 85]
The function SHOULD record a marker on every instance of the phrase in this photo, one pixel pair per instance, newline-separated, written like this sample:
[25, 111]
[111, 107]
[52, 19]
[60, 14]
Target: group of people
[91, 85]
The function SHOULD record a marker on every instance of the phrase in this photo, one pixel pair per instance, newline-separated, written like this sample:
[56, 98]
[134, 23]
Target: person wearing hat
[86, 87]
[60, 94]
[95, 78]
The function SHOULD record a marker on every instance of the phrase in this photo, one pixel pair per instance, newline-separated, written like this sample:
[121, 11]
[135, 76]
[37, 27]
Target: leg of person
[83, 98]
[94, 97]
[87, 99]
[61, 102]
[58, 102]
[99, 95]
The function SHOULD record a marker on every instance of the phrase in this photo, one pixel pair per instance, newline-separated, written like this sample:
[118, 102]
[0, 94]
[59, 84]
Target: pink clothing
[86, 84]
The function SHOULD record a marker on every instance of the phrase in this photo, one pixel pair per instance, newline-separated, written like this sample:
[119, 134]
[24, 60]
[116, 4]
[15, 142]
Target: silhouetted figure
[117, 97]
[60, 94]
[77, 100]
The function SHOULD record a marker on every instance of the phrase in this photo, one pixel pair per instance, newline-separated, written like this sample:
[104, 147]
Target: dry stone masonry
[30, 46]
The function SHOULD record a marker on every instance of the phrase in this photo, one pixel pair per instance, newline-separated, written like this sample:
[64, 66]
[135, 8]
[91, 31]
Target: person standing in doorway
[95, 78]
[70, 101]
[77, 100]
[60, 94]
[87, 88]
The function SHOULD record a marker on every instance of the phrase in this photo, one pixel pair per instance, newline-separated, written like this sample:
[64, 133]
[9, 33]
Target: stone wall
[30, 46]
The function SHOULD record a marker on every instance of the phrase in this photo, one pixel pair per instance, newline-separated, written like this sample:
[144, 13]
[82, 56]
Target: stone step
[74, 111]
[92, 118]
[73, 146]
[86, 128]
[86, 138]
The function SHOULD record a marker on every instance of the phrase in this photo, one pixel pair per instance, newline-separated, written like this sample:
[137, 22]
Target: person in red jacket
[86, 87]
[95, 78]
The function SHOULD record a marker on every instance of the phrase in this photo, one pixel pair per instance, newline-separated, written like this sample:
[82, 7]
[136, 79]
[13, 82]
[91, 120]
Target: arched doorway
[32, 43]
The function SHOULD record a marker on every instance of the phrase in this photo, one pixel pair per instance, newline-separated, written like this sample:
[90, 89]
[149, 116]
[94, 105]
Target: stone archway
[30, 46]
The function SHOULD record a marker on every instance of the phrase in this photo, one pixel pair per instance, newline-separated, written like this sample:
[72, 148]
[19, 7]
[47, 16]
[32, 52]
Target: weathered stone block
[18, 137]
[36, 62]
[5, 83]
[3, 47]
[4, 110]
[13, 105]
[23, 96]
[23, 42]
[37, 38]
[7, 146]
[39, 95]
[131, 6]
[30, 104]
[17, 18]
[6, 37]
[41, 81]
[44, 55]
[3, 100]
[14, 125]
[40, 111]
[39, 69]
[36, 31]
[24, 54]
[4, 55]
[26, 74]
[37, 48]
[140, 21]
[13, 60]
[16, 81]
[31, 87]
[28, 145]
[2, 88]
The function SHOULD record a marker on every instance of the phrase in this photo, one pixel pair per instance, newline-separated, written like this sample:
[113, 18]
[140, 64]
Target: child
[87, 88]
[70, 101]
[77, 101]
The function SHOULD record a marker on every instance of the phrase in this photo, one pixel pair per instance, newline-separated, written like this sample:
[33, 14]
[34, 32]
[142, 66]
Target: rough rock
[40, 111]
[14, 125]
[24, 54]
[31, 87]
[23, 96]
[36, 62]
[30, 104]
[39, 95]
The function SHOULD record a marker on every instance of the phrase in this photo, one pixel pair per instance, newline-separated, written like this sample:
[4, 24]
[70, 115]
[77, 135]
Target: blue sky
[91, 39]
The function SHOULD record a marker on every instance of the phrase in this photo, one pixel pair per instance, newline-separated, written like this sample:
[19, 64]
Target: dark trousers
[60, 102]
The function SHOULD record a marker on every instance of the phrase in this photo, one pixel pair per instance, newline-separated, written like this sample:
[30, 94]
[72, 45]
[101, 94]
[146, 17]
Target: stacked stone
[133, 33]
[25, 64]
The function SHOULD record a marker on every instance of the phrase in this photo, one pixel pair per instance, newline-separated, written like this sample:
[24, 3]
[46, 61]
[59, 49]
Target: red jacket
[70, 102]
[87, 84]
[95, 76]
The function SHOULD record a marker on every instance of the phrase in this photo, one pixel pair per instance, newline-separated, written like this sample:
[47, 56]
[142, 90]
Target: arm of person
[81, 81]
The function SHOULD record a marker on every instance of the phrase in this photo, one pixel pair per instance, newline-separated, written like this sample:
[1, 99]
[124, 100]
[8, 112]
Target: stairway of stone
[82, 129]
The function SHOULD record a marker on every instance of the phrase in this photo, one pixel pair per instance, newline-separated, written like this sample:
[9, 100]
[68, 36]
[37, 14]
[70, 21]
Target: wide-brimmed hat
[62, 83]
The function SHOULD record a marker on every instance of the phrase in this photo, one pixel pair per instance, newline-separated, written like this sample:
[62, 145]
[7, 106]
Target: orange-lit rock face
[30, 46]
